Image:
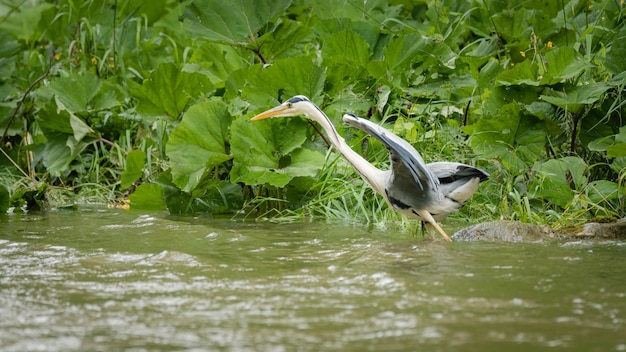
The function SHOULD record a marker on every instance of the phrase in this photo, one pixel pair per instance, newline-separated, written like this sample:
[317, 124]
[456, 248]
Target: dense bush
[103, 100]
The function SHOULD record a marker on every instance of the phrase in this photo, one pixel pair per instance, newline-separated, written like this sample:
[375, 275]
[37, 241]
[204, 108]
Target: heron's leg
[429, 218]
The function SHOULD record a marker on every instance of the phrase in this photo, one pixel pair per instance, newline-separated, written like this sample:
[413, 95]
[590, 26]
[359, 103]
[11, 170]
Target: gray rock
[515, 231]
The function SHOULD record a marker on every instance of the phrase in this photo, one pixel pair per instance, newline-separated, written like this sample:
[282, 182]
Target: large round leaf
[198, 143]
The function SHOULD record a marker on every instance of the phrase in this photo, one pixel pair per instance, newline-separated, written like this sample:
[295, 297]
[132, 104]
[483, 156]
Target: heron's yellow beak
[275, 112]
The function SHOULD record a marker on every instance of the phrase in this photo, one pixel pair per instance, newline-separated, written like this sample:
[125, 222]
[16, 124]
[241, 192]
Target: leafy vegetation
[150, 101]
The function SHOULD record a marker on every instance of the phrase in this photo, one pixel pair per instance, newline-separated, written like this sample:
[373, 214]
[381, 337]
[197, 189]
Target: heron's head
[298, 105]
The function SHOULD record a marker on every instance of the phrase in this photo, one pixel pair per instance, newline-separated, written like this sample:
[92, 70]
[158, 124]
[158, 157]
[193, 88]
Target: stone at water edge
[516, 231]
[505, 231]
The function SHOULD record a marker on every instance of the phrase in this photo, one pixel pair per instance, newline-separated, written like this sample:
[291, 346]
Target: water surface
[113, 280]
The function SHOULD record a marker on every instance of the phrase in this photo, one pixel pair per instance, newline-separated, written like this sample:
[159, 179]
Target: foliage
[152, 101]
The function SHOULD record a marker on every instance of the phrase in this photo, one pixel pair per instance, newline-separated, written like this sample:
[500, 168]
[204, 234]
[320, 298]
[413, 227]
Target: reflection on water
[102, 280]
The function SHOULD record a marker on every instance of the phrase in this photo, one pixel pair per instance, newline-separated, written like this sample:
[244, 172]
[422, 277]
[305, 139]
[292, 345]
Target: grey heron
[427, 192]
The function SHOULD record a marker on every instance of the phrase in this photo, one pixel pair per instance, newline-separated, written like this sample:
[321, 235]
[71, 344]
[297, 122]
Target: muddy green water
[113, 280]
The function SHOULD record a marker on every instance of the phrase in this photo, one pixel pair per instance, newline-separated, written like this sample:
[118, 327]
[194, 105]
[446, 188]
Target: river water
[115, 280]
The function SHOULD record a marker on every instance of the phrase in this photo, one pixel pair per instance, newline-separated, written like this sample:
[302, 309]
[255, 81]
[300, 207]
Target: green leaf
[516, 140]
[234, 22]
[346, 55]
[135, 162]
[346, 48]
[218, 61]
[168, 91]
[79, 127]
[402, 51]
[198, 143]
[573, 99]
[512, 25]
[556, 179]
[23, 24]
[63, 121]
[56, 154]
[217, 197]
[542, 110]
[616, 150]
[75, 92]
[562, 64]
[284, 40]
[211, 196]
[269, 152]
[615, 58]
[283, 79]
[526, 72]
[147, 196]
[602, 190]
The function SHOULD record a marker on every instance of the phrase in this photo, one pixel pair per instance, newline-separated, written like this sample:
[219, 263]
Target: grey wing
[404, 158]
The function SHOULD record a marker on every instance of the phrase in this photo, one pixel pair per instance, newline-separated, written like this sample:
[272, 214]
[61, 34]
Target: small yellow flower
[549, 43]
[94, 60]
[621, 2]
[522, 53]
[57, 57]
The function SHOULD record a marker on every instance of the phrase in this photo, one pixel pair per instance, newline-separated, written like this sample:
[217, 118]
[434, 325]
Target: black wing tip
[470, 171]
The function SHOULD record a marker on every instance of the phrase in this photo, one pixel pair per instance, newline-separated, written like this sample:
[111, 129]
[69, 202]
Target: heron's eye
[289, 105]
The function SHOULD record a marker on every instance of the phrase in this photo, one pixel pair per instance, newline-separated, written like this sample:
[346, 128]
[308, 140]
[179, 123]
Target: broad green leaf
[346, 48]
[79, 127]
[573, 99]
[198, 143]
[562, 64]
[304, 163]
[346, 55]
[602, 190]
[64, 121]
[217, 197]
[526, 72]
[514, 138]
[284, 40]
[616, 150]
[556, 179]
[601, 144]
[56, 154]
[492, 129]
[615, 60]
[210, 196]
[168, 91]
[542, 110]
[135, 162]
[218, 61]
[233, 22]
[147, 196]
[512, 25]
[402, 51]
[269, 152]
[283, 79]
[75, 92]
[375, 11]
[24, 23]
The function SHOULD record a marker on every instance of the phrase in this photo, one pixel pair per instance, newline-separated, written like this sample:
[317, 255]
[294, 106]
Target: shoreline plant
[147, 104]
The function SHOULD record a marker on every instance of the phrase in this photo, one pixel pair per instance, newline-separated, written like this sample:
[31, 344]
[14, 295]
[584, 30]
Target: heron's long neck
[373, 176]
